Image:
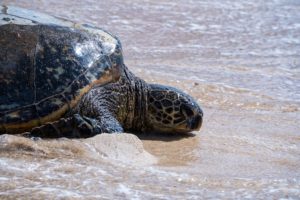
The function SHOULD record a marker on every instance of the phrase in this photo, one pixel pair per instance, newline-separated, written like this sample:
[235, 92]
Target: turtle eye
[187, 110]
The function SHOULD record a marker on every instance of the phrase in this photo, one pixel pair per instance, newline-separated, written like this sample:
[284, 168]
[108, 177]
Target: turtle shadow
[166, 137]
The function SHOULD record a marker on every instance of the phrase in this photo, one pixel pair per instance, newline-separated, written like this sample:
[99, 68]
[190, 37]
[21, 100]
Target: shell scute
[47, 64]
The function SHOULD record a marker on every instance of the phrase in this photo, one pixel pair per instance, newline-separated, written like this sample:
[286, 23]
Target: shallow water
[240, 60]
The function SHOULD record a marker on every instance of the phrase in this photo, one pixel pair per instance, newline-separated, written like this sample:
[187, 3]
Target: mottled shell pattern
[47, 64]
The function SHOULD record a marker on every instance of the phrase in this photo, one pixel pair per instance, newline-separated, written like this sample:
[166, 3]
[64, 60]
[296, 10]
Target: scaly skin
[117, 106]
[129, 104]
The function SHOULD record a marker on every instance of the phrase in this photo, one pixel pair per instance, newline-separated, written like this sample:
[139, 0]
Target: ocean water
[239, 59]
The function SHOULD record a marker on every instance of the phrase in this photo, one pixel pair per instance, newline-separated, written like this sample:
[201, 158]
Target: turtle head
[172, 111]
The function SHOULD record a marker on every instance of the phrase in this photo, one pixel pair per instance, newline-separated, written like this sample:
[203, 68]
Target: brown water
[241, 60]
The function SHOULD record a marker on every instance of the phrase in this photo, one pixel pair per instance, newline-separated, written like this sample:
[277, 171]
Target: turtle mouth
[195, 123]
[192, 124]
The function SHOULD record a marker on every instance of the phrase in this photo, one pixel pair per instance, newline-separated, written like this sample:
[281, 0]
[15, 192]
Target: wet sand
[240, 60]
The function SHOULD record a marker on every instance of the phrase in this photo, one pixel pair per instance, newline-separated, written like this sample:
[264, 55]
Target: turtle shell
[47, 64]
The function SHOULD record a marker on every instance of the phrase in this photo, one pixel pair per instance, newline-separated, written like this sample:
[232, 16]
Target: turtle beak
[195, 122]
[194, 115]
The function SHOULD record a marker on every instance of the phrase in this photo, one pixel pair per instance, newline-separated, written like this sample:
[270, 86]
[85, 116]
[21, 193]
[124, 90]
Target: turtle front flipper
[109, 124]
[72, 127]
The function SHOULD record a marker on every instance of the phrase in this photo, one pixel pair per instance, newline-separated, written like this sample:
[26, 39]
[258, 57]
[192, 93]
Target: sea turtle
[59, 78]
